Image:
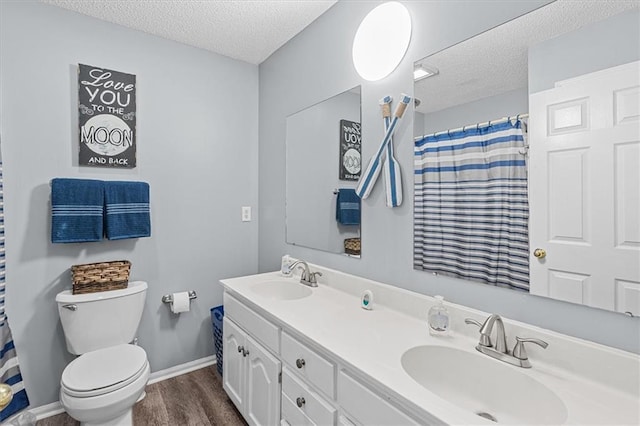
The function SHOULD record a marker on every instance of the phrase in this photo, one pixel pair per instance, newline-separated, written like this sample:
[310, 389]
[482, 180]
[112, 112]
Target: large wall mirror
[323, 167]
[527, 156]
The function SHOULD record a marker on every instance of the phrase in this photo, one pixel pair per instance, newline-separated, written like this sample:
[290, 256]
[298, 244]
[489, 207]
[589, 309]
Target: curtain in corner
[471, 206]
[9, 367]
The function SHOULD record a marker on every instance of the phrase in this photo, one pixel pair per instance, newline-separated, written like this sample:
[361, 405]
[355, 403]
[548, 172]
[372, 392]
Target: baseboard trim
[55, 408]
[44, 411]
[187, 367]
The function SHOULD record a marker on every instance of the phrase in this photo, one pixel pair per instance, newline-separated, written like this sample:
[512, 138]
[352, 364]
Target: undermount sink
[484, 386]
[281, 289]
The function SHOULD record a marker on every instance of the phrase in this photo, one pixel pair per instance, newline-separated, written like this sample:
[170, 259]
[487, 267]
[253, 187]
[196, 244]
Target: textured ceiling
[495, 61]
[248, 30]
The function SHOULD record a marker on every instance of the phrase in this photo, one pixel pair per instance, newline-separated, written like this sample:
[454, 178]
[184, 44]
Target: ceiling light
[420, 72]
[381, 41]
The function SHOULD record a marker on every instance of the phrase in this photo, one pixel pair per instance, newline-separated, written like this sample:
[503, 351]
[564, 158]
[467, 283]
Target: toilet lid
[104, 368]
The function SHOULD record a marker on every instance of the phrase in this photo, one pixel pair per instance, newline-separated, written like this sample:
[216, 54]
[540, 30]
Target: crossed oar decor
[392, 174]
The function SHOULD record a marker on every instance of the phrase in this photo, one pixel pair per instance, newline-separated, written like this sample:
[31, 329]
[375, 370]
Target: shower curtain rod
[477, 125]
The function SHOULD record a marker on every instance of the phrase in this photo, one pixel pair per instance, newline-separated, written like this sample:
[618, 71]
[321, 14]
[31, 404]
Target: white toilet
[101, 386]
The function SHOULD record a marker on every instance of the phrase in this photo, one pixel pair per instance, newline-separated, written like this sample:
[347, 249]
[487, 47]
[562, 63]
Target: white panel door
[233, 365]
[262, 403]
[584, 180]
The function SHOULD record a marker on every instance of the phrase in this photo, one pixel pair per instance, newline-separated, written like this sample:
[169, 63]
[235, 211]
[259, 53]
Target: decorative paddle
[369, 177]
[392, 173]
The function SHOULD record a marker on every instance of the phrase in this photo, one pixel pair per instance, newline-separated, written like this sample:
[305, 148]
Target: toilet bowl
[100, 387]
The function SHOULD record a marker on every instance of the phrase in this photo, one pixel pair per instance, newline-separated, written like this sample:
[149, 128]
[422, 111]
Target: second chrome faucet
[499, 349]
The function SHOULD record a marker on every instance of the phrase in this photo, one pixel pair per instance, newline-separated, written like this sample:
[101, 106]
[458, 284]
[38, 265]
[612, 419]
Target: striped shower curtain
[9, 368]
[471, 206]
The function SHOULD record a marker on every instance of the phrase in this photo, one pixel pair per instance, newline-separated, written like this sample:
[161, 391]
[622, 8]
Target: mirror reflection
[323, 157]
[527, 156]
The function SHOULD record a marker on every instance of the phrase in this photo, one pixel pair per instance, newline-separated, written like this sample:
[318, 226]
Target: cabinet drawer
[315, 408]
[367, 407]
[292, 415]
[253, 323]
[308, 364]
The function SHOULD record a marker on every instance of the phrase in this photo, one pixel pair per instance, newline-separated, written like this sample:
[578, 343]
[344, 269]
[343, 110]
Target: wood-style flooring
[192, 399]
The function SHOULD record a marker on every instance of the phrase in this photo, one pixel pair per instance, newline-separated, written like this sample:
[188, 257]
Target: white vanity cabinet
[251, 374]
[273, 377]
[345, 366]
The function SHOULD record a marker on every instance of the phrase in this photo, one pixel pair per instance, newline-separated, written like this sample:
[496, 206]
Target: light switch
[246, 214]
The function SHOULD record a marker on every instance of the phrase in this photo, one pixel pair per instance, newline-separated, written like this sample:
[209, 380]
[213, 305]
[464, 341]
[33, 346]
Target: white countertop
[374, 341]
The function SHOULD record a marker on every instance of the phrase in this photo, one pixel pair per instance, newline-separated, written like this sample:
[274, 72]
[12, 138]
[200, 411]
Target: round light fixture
[381, 41]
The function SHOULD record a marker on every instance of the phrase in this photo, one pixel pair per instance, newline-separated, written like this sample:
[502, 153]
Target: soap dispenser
[438, 318]
[285, 266]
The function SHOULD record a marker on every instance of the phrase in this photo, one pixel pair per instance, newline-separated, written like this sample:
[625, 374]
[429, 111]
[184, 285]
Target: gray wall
[198, 149]
[491, 108]
[313, 152]
[288, 84]
[614, 41]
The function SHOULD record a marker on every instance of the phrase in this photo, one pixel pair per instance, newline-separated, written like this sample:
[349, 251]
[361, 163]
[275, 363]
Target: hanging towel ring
[463, 129]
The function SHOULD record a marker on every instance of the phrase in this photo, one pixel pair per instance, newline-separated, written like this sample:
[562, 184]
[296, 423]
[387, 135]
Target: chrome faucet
[307, 277]
[499, 349]
[501, 338]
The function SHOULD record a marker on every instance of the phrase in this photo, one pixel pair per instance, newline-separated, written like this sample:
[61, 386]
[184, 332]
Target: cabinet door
[262, 401]
[233, 362]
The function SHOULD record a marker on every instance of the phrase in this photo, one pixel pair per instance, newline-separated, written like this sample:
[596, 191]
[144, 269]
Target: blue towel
[76, 210]
[348, 207]
[127, 208]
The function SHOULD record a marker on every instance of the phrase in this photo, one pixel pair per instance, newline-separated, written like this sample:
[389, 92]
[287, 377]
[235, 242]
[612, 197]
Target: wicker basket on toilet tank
[102, 276]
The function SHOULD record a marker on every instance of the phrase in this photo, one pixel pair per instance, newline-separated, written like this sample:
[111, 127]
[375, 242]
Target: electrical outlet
[246, 214]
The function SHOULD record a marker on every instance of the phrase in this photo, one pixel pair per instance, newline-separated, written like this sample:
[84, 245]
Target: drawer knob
[240, 348]
[245, 352]
[300, 363]
[300, 401]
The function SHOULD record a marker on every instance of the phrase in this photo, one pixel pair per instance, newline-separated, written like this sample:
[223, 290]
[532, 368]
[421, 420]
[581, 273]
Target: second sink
[483, 386]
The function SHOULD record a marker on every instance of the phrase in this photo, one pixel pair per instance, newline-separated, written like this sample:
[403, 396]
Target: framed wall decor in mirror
[323, 158]
[527, 156]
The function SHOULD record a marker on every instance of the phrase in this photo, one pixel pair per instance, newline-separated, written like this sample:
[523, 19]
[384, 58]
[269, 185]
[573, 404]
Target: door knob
[241, 349]
[540, 253]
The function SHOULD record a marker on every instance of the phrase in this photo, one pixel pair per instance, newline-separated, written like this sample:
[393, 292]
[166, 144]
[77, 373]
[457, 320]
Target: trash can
[217, 314]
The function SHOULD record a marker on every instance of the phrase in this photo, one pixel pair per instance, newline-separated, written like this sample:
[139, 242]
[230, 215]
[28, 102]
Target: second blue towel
[127, 210]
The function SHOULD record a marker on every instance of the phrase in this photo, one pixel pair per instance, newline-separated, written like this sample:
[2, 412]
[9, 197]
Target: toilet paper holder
[168, 298]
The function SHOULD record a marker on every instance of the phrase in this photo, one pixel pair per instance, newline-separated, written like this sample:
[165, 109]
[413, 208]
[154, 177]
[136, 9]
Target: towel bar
[168, 298]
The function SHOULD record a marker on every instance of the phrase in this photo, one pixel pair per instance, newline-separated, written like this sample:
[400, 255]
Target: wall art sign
[350, 149]
[107, 117]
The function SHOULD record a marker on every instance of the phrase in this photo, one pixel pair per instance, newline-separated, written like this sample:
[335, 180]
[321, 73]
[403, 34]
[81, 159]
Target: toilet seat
[103, 371]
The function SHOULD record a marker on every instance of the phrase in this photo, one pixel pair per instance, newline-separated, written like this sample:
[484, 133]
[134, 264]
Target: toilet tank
[98, 320]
